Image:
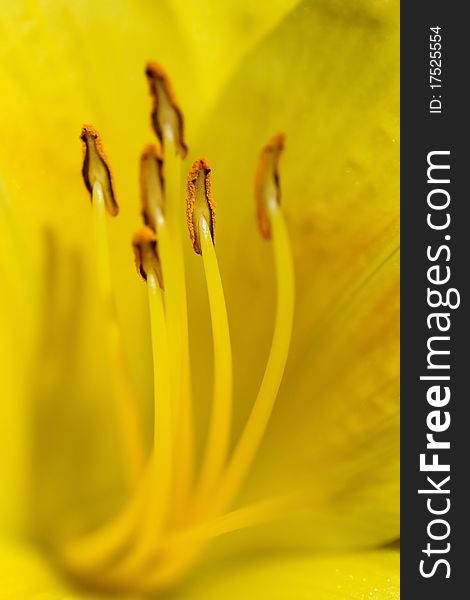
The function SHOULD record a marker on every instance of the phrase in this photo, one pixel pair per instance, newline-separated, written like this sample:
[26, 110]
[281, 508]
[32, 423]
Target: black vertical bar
[424, 132]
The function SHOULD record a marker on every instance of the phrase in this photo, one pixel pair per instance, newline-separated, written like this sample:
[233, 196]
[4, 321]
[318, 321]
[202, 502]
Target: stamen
[167, 118]
[165, 523]
[199, 203]
[160, 484]
[145, 249]
[151, 186]
[158, 194]
[95, 168]
[267, 188]
[201, 218]
[255, 427]
[168, 124]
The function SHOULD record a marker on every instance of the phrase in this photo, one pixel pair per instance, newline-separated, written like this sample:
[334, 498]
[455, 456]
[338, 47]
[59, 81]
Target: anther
[95, 168]
[200, 206]
[267, 187]
[167, 118]
[144, 244]
[152, 186]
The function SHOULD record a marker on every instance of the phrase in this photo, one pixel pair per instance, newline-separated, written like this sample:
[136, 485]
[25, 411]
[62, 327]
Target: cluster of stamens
[174, 509]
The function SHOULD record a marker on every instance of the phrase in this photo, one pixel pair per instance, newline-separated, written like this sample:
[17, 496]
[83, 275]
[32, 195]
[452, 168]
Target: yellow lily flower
[309, 506]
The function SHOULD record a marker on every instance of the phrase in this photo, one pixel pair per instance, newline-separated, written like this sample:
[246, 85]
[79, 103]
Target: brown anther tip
[152, 151]
[164, 98]
[199, 201]
[88, 130]
[276, 143]
[95, 167]
[267, 186]
[151, 184]
[144, 244]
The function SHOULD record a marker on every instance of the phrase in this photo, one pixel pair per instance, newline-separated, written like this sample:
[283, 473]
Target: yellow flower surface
[308, 507]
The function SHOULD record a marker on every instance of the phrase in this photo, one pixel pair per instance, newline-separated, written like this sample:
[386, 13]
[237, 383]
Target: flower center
[173, 510]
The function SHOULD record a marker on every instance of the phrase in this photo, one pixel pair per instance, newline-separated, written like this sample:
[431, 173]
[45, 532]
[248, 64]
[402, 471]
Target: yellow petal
[373, 575]
[220, 34]
[25, 575]
[17, 342]
[336, 430]
[75, 466]
[340, 114]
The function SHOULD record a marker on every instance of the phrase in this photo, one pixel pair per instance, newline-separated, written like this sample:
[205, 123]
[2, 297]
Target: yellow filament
[152, 518]
[174, 206]
[177, 314]
[163, 426]
[219, 427]
[255, 427]
[132, 440]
